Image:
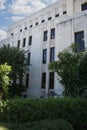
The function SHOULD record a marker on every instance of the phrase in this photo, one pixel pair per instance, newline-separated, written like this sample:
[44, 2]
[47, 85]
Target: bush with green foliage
[24, 110]
[5, 69]
[17, 59]
[41, 125]
[71, 69]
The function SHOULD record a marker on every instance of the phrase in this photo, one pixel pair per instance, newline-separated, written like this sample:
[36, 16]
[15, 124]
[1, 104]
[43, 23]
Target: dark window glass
[53, 33]
[79, 40]
[27, 80]
[45, 36]
[36, 23]
[49, 18]
[52, 54]
[43, 21]
[18, 44]
[31, 26]
[24, 42]
[43, 84]
[57, 15]
[44, 55]
[20, 30]
[64, 12]
[84, 6]
[8, 45]
[25, 28]
[51, 80]
[12, 34]
[30, 40]
[29, 58]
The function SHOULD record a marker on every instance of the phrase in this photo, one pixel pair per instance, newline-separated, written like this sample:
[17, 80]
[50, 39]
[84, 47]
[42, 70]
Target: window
[27, 80]
[24, 42]
[84, 6]
[25, 28]
[36, 23]
[29, 58]
[20, 30]
[64, 12]
[45, 36]
[44, 55]
[43, 21]
[51, 80]
[12, 34]
[8, 45]
[57, 15]
[43, 84]
[79, 40]
[30, 40]
[53, 33]
[49, 18]
[52, 54]
[31, 26]
[18, 43]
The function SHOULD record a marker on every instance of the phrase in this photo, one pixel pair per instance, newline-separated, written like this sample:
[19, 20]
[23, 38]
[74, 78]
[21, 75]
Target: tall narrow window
[52, 54]
[8, 45]
[79, 40]
[51, 80]
[45, 35]
[84, 6]
[43, 84]
[30, 40]
[18, 44]
[29, 58]
[44, 56]
[24, 42]
[27, 80]
[53, 33]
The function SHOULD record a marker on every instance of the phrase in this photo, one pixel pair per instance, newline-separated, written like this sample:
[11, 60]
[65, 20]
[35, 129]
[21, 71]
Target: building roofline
[32, 15]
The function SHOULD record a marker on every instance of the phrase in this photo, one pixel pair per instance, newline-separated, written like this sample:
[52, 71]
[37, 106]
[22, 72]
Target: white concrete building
[44, 34]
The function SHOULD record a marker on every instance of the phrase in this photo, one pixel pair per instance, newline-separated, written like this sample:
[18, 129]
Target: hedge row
[24, 110]
[39, 125]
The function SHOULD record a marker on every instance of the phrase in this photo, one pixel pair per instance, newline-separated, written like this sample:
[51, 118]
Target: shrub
[24, 110]
[41, 125]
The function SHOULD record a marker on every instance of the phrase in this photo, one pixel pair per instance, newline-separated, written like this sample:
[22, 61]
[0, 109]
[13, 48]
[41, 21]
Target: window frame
[30, 40]
[24, 42]
[27, 80]
[51, 80]
[29, 58]
[18, 45]
[43, 82]
[52, 35]
[52, 54]
[45, 35]
[84, 6]
[44, 56]
[80, 45]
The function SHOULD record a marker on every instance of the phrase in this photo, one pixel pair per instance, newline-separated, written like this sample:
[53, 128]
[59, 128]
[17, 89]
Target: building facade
[43, 35]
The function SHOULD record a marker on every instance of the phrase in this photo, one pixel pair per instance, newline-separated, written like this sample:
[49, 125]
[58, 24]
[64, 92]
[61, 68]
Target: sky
[12, 11]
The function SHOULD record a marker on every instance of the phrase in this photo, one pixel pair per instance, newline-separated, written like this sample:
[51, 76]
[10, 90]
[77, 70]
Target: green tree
[4, 80]
[70, 70]
[17, 59]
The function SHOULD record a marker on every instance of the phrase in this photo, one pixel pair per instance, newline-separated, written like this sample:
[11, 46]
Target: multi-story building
[44, 34]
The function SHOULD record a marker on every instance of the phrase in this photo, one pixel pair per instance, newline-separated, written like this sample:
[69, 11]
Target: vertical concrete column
[70, 7]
